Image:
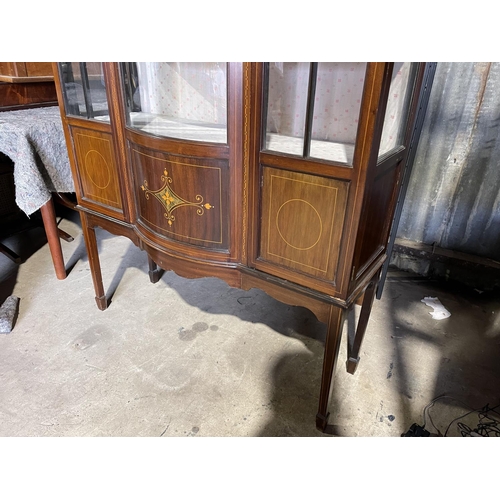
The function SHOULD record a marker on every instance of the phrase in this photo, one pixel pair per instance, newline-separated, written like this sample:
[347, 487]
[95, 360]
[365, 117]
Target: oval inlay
[292, 217]
[97, 169]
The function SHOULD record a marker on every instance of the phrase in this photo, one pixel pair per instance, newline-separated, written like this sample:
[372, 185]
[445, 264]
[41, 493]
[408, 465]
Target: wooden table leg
[332, 345]
[51, 230]
[95, 266]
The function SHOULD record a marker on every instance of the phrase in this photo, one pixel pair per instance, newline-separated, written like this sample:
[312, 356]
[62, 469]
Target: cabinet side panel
[182, 198]
[302, 221]
[375, 219]
[96, 167]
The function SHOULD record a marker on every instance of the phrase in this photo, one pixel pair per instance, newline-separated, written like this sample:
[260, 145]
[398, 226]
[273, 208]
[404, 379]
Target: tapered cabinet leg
[49, 223]
[155, 273]
[95, 266]
[332, 345]
[366, 307]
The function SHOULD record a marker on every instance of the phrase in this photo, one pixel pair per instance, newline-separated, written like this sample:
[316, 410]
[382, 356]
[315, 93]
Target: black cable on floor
[487, 425]
[484, 429]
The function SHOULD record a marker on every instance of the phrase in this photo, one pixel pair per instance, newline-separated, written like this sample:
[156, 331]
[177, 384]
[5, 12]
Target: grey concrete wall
[453, 199]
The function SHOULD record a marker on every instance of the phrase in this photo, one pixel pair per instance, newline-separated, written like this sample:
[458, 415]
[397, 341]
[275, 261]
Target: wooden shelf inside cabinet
[280, 176]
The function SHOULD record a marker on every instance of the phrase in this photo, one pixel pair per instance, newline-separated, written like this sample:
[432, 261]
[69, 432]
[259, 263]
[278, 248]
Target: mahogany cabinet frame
[245, 255]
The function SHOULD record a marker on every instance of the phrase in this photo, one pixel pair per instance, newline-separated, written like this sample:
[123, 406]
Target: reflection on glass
[179, 100]
[286, 106]
[337, 103]
[397, 106]
[84, 90]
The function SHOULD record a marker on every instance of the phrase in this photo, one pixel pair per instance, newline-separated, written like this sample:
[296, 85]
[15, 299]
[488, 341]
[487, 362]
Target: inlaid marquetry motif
[182, 200]
[308, 218]
[171, 201]
[302, 219]
[93, 158]
[246, 155]
[97, 168]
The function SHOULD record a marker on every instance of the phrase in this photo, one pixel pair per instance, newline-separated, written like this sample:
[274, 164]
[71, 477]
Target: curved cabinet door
[182, 198]
[182, 151]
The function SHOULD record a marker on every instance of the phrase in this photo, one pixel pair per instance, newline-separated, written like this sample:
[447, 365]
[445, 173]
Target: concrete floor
[198, 358]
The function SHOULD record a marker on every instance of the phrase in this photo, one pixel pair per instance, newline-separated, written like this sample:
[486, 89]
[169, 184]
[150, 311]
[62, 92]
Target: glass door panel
[84, 90]
[337, 103]
[287, 97]
[398, 103]
[178, 100]
[313, 109]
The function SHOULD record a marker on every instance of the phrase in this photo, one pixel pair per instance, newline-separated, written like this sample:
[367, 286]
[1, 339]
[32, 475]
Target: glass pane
[337, 103]
[397, 106]
[179, 100]
[84, 90]
[286, 106]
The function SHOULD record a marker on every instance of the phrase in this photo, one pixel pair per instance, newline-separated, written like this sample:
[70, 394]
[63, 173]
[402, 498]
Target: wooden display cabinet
[26, 85]
[279, 176]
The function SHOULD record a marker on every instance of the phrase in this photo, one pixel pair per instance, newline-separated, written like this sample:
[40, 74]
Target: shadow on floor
[465, 348]
[24, 243]
[128, 260]
[24, 239]
[467, 345]
[296, 377]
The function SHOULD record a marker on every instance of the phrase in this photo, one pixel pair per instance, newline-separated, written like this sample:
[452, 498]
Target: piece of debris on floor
[439, 311]
[8, 313]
